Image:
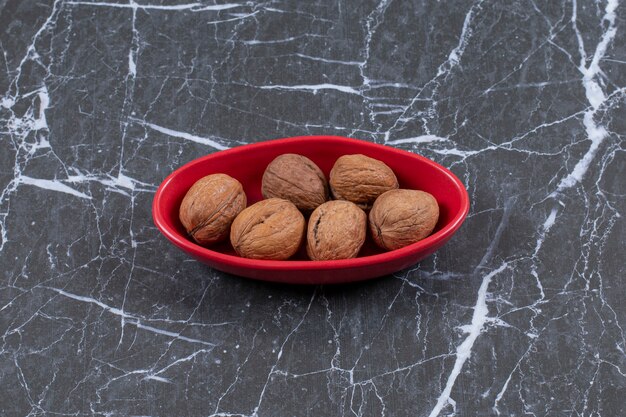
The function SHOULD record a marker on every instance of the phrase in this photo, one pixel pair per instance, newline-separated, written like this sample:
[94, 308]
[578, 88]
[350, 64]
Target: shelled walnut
[361, 179]
[269, 229]
[295, 178]
[336, 230]
[210, 206]
[402, 217]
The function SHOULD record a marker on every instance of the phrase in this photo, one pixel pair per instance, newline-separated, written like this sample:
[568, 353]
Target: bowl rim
[439, 237]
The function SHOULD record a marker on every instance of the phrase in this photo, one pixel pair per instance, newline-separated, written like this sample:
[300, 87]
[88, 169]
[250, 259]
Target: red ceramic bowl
[247, 163]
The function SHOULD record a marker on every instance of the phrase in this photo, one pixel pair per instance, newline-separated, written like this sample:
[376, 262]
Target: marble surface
[521, 314]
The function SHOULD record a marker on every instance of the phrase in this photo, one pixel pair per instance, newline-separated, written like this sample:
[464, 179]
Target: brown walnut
[269, 229]
[402, 217]
[336, 230]
[361, 179]
[210, 206]
[295, 178]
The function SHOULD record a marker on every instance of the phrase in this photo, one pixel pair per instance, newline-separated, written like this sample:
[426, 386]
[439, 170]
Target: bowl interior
[247, 164]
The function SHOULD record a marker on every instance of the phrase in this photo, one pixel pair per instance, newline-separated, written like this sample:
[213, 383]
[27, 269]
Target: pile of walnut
[214, 209]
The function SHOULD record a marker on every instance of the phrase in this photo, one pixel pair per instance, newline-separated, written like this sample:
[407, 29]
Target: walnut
[269, 229]
[402, 217]
[210, 206]
[360, 179]
[295, 178]
[336, 230]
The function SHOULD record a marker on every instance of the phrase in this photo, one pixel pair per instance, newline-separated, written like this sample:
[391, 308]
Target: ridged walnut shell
[402, 217]
[361, 179]
[336, 230]
[295, 178]
[269, 229]
[210, 206]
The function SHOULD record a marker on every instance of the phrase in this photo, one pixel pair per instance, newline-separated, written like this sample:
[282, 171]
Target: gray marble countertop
[522, 313]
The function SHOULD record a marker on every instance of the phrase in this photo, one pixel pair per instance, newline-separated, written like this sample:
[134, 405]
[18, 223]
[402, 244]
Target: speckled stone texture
[523, 313]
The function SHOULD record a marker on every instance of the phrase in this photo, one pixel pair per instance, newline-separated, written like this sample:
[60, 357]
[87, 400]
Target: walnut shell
[295, 178]
[269, 229]
[210, 206]
[336, 230]
[402, 217]
[361, 179]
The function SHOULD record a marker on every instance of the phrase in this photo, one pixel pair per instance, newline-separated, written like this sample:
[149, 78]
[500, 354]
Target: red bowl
[247, 163]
